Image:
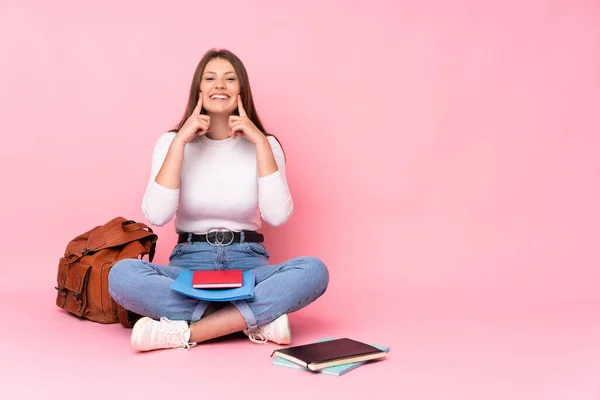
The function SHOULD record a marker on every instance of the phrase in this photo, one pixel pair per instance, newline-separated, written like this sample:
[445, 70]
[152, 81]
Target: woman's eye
[208, 78]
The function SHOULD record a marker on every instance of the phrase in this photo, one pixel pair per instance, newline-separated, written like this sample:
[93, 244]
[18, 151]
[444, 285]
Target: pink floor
[459, 350]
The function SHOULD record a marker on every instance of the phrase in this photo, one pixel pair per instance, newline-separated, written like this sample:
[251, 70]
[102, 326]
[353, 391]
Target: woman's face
[220, 87]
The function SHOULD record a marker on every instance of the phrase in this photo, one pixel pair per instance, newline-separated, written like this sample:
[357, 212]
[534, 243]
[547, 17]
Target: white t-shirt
[220, 187]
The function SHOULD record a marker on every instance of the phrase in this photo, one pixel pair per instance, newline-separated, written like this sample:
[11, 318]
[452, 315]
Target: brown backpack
[83, 270]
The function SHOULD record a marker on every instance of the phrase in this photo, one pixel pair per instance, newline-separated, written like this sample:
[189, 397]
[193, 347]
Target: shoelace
[258, 337]
[173, 334]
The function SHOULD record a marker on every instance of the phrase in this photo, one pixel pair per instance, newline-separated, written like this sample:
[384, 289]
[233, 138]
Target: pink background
[443, 158]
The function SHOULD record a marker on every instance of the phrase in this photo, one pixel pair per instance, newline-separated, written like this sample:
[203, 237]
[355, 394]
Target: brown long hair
[245, 90]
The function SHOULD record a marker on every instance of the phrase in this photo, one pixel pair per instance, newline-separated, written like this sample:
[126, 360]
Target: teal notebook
[338, 370]
[183, 284]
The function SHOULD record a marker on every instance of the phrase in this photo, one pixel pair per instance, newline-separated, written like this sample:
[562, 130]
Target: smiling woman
[220, 175]
[221, 67]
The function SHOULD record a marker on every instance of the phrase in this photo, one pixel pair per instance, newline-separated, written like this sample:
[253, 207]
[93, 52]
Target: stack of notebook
[329, 356]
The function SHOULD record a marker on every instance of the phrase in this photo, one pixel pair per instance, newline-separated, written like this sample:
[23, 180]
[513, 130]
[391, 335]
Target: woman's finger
[204, 125]
[199, 105]
[241, 106]
[237, 126]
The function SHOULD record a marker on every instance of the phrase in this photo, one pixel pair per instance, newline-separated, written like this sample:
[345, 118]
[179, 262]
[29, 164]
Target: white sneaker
[149, 334]
[277, 331]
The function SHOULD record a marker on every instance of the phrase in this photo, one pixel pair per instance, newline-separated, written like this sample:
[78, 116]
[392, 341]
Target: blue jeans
[144, 287]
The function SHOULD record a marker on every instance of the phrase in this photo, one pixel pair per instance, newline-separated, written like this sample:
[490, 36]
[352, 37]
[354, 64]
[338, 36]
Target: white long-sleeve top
[220, 187]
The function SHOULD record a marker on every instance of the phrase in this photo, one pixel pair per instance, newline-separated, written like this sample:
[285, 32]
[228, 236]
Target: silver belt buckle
[219, 237]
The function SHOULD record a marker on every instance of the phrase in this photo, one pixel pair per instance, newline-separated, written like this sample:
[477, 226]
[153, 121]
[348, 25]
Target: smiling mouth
[219, 97]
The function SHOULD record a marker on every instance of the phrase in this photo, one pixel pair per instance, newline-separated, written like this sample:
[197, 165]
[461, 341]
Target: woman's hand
[196, 125]
[243, 126]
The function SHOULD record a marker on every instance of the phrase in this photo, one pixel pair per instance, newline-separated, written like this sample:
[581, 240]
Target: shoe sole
[136, 331]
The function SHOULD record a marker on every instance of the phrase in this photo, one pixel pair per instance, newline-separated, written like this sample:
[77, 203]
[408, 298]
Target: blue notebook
[338, 370]
[183, 284]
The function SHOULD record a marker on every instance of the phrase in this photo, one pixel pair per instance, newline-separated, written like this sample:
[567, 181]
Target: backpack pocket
[72, 283]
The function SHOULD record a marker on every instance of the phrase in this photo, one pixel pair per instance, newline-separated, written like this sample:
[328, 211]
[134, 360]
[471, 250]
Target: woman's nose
[220, 84]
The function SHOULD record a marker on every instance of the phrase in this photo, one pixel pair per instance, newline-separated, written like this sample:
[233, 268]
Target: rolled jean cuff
[247, 313]
[199, 311]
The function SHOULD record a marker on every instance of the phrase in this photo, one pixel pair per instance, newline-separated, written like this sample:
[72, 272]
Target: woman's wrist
[263, 140]
[178, 143]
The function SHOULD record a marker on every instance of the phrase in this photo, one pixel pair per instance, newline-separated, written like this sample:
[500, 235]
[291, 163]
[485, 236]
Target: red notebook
[220, 279]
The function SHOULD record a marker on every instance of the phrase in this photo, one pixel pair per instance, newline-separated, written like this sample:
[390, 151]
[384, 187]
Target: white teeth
[218, 96]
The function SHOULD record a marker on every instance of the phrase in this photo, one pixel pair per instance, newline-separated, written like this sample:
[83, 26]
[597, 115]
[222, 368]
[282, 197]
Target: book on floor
[330, 353]
[183, 285]
[217, 279]
[337, 370]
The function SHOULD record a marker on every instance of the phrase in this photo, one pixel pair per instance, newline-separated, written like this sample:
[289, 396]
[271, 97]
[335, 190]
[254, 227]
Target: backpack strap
[134, 249]
[119, 232]
[131, 226]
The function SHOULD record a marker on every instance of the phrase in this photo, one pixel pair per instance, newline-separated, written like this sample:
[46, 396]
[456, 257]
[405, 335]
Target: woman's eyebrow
[226, 73]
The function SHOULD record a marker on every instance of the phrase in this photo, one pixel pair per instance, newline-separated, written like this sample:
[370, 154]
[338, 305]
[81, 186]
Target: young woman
[220, 175]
